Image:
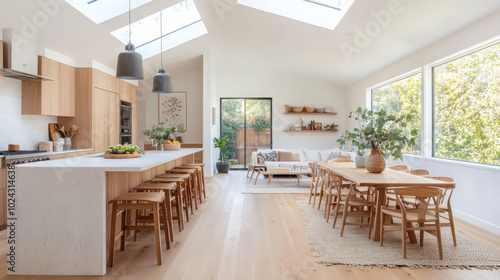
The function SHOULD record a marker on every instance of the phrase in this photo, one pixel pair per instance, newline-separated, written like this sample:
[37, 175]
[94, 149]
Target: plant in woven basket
[379, 130]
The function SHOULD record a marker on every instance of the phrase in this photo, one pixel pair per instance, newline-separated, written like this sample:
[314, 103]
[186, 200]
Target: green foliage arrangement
[331, 126]
[160, 134]
[380, 130]
[221, 142]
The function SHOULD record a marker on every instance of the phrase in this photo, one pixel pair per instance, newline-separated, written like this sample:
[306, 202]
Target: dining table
[380, 182]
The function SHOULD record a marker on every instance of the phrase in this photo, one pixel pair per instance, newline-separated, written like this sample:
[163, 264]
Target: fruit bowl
[123, 151]
[172, 146]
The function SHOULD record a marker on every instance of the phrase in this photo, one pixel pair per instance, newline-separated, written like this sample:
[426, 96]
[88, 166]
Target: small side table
[259, 167]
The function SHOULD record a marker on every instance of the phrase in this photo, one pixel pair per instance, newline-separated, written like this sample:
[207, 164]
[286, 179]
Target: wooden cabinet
[66, 90]
[105, 81]
[98, 111]
[106, 119]
[50, 98]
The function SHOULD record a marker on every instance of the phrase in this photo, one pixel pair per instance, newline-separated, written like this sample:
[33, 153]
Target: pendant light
[162, 82]
[129, 66]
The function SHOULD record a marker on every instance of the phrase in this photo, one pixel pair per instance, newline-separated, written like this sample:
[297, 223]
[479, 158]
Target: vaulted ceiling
[372, 35]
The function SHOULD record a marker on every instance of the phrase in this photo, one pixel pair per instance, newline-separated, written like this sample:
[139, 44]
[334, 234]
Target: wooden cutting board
[54, 133]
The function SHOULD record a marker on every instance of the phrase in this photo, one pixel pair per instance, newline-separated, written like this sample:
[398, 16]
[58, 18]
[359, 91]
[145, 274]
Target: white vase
[359, 161]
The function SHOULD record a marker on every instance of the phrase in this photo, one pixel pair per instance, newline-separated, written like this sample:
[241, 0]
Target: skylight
[181, 23]
[323, 13]
[103, 10]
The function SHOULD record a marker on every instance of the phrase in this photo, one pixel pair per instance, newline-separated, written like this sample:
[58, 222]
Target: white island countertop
[57, 215]
[149, 160]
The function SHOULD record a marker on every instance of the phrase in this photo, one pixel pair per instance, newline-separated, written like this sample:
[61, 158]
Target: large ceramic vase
[359, 161]
[375, 162]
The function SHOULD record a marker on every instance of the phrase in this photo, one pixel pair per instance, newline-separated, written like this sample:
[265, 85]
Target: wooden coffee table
[285, 171]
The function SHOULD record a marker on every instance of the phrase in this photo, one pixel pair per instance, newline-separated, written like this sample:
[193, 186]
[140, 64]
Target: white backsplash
[25, 130]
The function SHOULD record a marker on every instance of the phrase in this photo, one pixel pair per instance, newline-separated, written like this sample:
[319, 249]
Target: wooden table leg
[378, 208]
[411, 233]
[257, 176]
[270, 177]
[298, 179]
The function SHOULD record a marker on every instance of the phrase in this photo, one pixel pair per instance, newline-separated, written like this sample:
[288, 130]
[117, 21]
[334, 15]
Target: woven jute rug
[278, 184]
[355, 249]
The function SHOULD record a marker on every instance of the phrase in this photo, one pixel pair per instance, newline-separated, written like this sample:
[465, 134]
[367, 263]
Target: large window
[402, 97]
[467, 107]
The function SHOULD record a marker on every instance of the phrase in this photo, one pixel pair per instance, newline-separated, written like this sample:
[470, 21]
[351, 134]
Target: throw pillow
[334, 154]
[285, 156]
[345, 156]
[295, 157]
[272, 156]
[312, 155]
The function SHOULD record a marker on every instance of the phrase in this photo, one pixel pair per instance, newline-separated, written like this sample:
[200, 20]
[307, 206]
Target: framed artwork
[172, 108]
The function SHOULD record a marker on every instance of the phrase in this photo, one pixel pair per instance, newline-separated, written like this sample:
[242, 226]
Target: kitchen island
[58, 217]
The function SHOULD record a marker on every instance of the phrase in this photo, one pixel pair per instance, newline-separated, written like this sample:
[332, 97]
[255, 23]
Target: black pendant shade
[129, 66]
[162, 82]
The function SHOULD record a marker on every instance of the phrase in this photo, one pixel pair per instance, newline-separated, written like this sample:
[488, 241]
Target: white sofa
[305, 155]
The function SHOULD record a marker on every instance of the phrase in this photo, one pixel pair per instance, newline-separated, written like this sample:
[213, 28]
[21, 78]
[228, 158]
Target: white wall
[25, 130]
[478, 187]
[189, 80]
[236, 80]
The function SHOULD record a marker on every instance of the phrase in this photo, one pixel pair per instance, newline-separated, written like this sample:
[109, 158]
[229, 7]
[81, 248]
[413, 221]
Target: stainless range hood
[20, 59]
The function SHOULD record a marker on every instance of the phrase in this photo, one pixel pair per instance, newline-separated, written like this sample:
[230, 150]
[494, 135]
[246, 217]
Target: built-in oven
[125, 122]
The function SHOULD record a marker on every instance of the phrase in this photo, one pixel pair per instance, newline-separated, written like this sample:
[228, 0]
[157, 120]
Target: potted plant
[381, 132]
[160, 134]
[221, 142]
[332, 126]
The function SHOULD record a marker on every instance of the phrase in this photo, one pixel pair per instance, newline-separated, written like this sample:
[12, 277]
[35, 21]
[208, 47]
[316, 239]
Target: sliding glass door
[247, 124]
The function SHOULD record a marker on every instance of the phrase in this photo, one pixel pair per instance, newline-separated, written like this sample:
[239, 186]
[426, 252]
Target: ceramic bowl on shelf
[320, 110]
[328, 109]
[310, 109]
[297, 109]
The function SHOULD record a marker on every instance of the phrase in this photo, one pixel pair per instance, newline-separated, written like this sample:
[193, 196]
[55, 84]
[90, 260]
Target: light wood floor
[252, 236]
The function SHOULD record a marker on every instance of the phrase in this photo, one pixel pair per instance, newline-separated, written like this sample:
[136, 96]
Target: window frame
[397, 79]
[427, 88]
[430, 69]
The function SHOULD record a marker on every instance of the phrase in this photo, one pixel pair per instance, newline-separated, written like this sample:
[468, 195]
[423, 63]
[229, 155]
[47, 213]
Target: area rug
[279, 184]
[355, 249]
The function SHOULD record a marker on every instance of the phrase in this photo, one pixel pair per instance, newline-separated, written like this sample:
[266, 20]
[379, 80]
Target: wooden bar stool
[189, 183]
[194, 172]
[137, 201]
[169, 189]
[202, 179]
[181, 197]
[198, 171]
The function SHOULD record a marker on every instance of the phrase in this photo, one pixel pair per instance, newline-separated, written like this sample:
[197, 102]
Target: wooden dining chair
[314, 186]
[341, 160]
[354, 205]
[330, 193]
[390, 197]
[425, 214]
[321, 182]
[445, 206]
[421, 172]
[401, 167]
